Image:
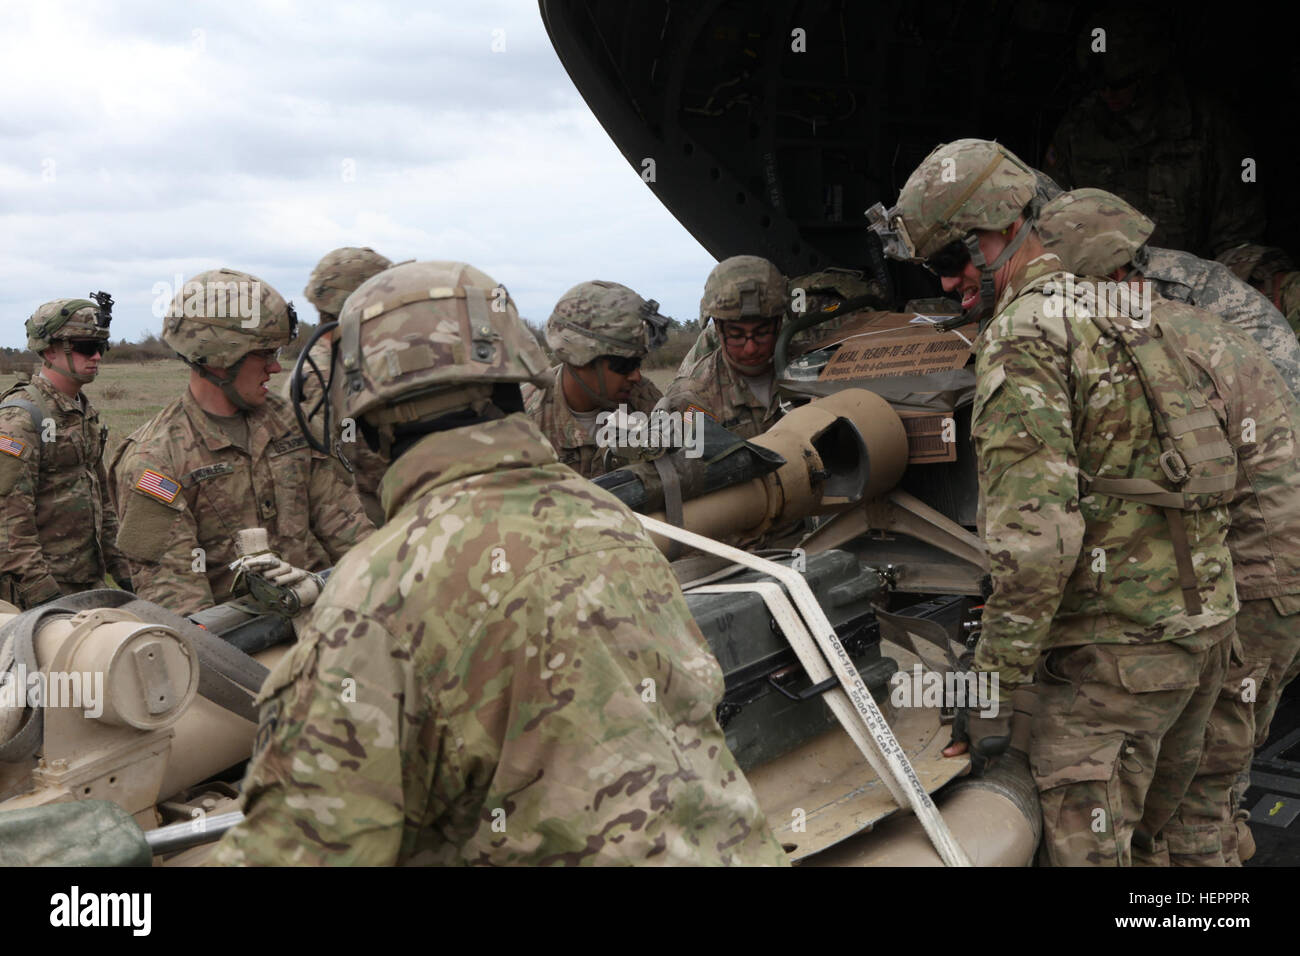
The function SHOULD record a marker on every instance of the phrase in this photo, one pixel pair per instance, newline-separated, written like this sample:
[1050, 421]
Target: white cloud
[176, 138]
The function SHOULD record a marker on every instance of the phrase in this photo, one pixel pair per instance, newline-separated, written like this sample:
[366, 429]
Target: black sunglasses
[89, 347]
[623, 364]
[949, 261]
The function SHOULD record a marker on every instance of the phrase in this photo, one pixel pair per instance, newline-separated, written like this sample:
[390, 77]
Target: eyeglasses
[949, 261]
[623, 364]
[89, 347]
[267, 355]
[761, 336]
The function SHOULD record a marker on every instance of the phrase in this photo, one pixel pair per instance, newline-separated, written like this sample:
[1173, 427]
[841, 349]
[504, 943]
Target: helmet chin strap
[76, 376]
[983, 312]
[227, 385]
[602, 398]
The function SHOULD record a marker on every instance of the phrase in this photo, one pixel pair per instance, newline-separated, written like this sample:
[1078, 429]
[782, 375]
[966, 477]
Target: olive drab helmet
[66, 320]
[338, 274]
[961, 187]
[743, 288]
[1093, 232]
[221, 315]
[603, 318]
[422, 340]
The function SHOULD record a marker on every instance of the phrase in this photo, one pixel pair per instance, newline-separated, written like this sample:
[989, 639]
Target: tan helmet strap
[961, 199]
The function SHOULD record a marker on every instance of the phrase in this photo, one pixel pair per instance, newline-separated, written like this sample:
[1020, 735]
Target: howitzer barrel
[838, 452]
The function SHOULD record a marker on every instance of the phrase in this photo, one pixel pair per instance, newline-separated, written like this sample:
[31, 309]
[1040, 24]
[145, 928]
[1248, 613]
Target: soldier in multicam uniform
[332, 281]
[1212, 286]
[226, 455]
[1147, 136]
[600, 332]
[1129, 654]
[1271, 271]
[507, 673]
[735, 383]
[1096, 233]
[58, 531]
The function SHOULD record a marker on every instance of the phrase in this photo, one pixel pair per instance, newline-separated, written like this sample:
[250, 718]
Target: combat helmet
[420, 341]
[603, 318]
[65, 320]
[1093, 232]
[221, 315]
[338, 274]
[960, 187]
[743, 288]
[1256, 264]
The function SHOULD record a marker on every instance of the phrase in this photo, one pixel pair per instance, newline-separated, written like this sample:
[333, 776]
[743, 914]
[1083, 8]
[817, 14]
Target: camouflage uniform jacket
[362, 467]
[179, 483]
[58, 529]
[1260, 417]
[722, 393]
[506, 673]
[1211, 285]
[1288, 298]
[553, 418]
[1053, 399]
[1175, 156]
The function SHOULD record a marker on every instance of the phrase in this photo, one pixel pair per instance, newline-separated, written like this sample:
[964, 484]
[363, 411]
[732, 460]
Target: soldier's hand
[988, 737]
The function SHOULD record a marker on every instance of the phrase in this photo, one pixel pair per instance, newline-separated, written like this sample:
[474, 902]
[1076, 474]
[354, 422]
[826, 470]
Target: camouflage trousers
[1268, 661]
[1116, 738]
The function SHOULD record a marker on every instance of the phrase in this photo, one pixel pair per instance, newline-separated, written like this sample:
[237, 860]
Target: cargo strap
[673, 509]
[854, 706]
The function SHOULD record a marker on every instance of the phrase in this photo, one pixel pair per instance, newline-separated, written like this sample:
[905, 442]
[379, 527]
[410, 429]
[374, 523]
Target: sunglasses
[623, 364]
[89, 347]
[267, 355]
[949, 261]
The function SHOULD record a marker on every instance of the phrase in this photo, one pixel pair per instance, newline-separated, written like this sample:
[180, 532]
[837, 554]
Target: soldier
[1123, 609]
[1096, 233]
[1144, 135]
[1212, 286]
[735, 384]
[58, 531]
[1271, 271]
[508, 673]
[600, 332]
[226, 455]
[331, 282]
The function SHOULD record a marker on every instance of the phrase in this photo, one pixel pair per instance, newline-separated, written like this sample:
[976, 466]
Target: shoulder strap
[37, 411]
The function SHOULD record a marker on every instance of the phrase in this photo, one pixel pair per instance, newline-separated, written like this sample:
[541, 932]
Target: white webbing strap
[853, 706]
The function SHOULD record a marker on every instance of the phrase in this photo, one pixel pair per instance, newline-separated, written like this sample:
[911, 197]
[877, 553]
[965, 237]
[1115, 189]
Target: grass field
[128, 395]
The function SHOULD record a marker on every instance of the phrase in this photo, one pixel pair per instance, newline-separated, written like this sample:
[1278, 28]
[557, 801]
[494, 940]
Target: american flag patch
[11, 446]
[696, 408]
[160, 486]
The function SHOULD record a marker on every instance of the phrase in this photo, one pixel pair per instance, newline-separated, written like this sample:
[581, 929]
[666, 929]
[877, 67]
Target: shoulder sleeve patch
[695, 409]
[12, 446]
[144, 528]
[158, 486]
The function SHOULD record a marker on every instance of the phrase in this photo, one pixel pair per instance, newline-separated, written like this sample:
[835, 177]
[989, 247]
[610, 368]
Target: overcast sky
[143, 140]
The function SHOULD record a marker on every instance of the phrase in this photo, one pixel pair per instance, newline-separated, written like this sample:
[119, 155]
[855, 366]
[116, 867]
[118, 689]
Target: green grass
[129, 394]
